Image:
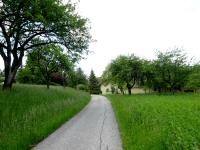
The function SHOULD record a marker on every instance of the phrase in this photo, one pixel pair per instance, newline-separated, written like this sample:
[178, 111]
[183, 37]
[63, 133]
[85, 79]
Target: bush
[57, 78]
[24, 76]
[1, 79]
[82, 87]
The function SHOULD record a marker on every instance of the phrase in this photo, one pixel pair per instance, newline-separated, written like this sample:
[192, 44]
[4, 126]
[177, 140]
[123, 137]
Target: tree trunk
[129, 91]
[122, 91]
[9, 74]
[9, 81]
[7, 85]
[159, 90]
[129, 87]
[48, 81]
[47, 85]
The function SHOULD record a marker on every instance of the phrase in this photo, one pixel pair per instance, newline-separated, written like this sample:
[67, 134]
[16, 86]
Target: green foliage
[1, 76]
[48, 60]
[158, 122]
[148, 74]
[76, 77]
[194, 78]
[82, 87]
[124, 70]
[30, 75]
[30, 113]
[1, 79]
[50, 21]
[170, 70]
[94, 86]
[25, 76]
[81, 77]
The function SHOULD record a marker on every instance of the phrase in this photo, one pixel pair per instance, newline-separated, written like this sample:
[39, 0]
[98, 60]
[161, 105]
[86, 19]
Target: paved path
[94, 128]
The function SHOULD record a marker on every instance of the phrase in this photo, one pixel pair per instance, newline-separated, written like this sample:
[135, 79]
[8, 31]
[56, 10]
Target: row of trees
[169, 72]
[42, 62]
[47, 65]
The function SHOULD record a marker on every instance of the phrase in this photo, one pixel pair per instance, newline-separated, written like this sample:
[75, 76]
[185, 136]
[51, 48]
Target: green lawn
[30, 113]
[158, 122]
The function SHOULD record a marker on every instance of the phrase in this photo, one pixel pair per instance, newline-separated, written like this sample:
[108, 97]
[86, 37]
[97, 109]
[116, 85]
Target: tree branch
[6, 16]
[5, 35]
[41, 44]
[31, 37]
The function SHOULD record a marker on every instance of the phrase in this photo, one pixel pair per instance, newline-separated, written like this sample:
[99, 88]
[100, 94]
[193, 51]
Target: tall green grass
[29, 113]
[165, 122]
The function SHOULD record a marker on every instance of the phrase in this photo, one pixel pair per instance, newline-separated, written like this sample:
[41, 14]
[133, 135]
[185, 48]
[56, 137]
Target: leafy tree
[71, 79]
[171, 70]
[30, 75]
[81, 77]
[194, 78]
[49, 59]
[125, 70]
[82, 87]
[25, 75]
[24, 21]
[58, 78]
[76, 78]
[107, 78]
[94, 86]
[148, 75]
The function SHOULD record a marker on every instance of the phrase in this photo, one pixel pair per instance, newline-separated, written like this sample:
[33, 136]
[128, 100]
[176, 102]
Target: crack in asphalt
[101, 132]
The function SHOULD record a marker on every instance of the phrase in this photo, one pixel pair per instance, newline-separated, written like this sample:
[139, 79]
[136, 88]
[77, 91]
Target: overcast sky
[139, 27]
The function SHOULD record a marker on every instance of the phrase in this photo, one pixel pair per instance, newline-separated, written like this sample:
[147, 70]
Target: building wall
[106, 89]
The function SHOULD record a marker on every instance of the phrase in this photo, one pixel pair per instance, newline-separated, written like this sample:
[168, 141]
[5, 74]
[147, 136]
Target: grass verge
[30, 113]
[155, 122]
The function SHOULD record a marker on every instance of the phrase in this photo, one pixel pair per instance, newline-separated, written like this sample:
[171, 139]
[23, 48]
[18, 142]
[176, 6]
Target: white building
[107, 89]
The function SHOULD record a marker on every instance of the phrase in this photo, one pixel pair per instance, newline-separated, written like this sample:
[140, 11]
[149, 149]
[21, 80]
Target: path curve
[94, 128]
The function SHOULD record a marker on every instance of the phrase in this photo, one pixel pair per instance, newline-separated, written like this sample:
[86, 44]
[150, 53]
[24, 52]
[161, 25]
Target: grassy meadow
[158, 122]
[30, 113]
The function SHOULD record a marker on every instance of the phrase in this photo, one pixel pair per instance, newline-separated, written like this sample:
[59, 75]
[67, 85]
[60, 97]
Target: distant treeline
[171, 71]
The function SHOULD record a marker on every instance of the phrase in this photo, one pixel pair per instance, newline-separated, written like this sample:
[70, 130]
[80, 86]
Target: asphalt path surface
[94, 128]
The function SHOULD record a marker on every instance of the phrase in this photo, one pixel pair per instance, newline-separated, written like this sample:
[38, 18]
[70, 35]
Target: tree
[171, 70]
[194, 78]
[49, 59]
[77, 78]
[125, 70]
[108, 78]
[81, 77]
[148, 75]
[24, 21]
[94, 86]
[25, 75]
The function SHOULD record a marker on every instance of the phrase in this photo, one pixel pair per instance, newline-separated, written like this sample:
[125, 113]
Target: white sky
[139, 27]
